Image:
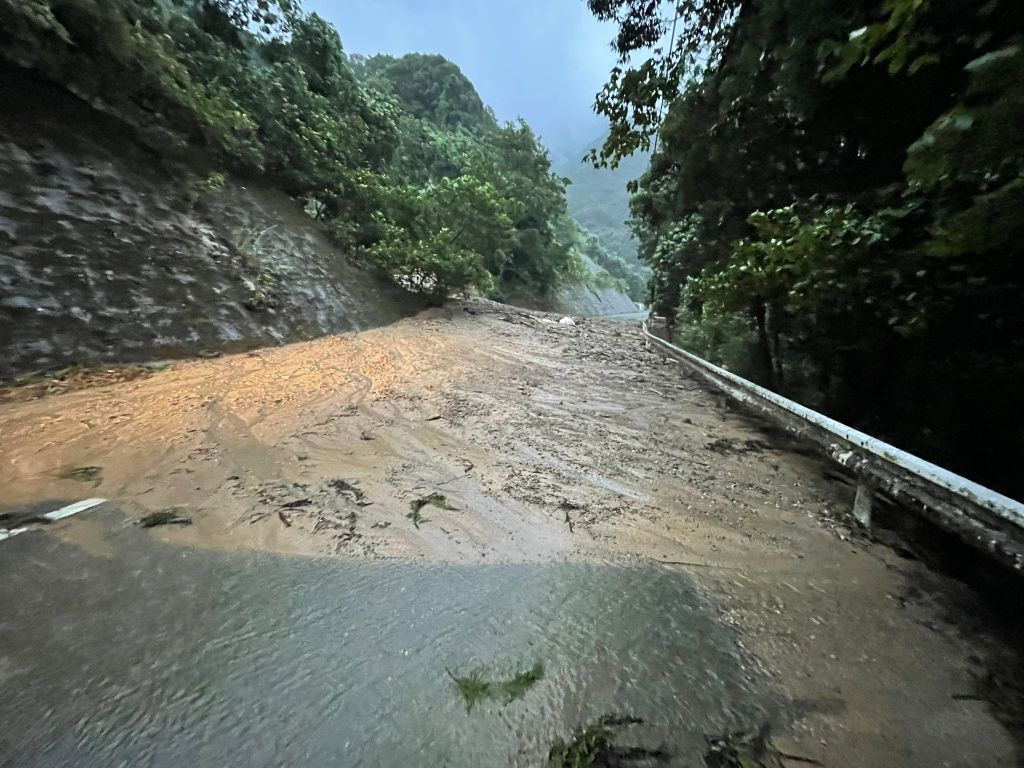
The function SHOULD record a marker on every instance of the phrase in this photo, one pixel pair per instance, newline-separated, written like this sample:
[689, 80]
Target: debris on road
[347, 490]
[438, 500]
[475, 687]
[594, 746]
[93, 475]
[163, 517]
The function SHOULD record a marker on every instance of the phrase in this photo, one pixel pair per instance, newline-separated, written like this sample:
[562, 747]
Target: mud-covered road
[480, 434]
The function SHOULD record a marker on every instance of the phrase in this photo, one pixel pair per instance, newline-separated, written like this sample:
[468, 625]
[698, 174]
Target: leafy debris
[163, 517]
[593, 746]
[475, 687]
[417, 518]
[438, 500]
[93, 475]
[346, 489]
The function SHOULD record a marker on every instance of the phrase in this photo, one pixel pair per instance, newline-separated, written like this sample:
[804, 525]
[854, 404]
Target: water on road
[150, 654]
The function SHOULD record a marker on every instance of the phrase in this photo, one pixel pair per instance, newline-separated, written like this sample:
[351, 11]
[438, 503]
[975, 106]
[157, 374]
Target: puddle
[162, 656]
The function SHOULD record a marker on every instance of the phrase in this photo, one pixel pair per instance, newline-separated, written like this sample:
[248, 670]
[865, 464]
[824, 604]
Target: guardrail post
[980, 516]
[862, 503]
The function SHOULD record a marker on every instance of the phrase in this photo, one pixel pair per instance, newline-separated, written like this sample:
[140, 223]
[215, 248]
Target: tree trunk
[764, 349]
[773, 323]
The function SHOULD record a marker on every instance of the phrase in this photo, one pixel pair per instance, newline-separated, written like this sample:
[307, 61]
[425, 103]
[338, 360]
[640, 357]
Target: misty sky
[541, 59]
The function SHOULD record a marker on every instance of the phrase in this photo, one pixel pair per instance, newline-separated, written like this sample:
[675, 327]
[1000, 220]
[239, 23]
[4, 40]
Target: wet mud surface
[555, 448]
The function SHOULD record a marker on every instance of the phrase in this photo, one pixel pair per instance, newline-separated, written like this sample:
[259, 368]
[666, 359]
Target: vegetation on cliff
[598, 199]
[399, 158]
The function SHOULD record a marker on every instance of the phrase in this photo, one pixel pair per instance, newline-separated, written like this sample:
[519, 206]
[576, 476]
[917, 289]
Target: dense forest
[835, 206]
[398, 158]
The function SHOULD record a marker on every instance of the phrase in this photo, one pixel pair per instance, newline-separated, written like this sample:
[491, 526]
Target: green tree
[431, 87]
[446, 237]
[845, 181]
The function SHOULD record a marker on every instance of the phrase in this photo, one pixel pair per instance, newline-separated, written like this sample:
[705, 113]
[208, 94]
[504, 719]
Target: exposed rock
[166, 266]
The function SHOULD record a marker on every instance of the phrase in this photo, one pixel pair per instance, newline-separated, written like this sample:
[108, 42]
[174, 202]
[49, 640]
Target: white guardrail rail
[981, 517]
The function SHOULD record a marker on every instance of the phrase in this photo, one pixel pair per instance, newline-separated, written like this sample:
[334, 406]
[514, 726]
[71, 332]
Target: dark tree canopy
[682, 45]
[837, 203]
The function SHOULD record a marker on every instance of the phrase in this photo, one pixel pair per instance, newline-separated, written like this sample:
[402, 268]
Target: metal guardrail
[981, 517]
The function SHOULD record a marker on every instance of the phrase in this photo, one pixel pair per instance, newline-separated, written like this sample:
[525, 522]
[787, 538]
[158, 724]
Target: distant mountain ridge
[599, 201]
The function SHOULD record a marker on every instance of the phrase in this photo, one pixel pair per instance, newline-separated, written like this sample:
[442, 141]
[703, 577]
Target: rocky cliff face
[582, 299]
[579, 299]
[108, 254]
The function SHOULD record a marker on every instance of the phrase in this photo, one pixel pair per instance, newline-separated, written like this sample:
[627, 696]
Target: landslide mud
[547, 442]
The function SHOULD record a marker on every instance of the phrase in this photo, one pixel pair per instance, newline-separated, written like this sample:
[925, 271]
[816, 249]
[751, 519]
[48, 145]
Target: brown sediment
[525, 425]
